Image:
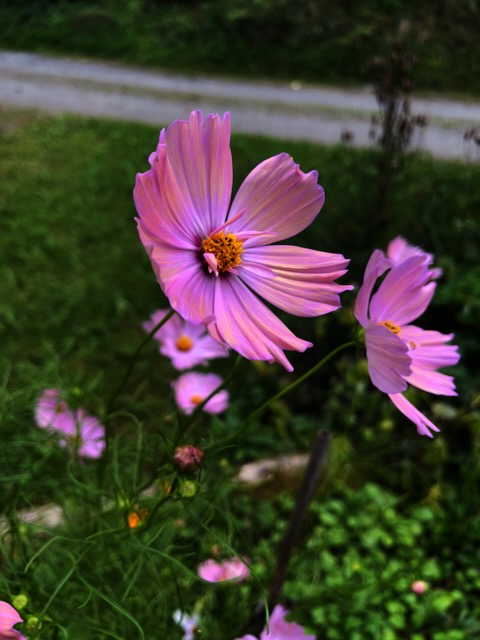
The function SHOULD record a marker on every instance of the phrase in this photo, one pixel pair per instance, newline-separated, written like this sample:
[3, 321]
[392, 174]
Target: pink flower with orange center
[187, 345]
[398, 352]
[213, 259]
[192, 388]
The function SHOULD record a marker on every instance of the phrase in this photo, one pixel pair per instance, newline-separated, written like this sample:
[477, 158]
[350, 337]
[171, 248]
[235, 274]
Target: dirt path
[296, 112]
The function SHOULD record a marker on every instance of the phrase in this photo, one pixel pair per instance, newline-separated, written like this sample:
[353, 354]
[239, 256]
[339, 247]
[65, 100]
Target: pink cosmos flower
[192, 388]
[398, 352]
[280, 629]
[9, 617]
[75, 427]
[212, 260]
[187, 345]
[233, 569]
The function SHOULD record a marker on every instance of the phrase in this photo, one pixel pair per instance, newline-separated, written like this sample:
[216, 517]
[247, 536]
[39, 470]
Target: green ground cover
[317, 41]
[76, 284]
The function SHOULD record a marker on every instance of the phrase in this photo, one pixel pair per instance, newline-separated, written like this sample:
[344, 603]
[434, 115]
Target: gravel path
[295, 111]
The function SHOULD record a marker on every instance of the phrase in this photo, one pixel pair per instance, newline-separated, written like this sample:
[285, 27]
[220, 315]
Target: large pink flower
[8, 617]
[75, 427]
[280, 629]
[187, 345]
[211, 259]
[192, 388]
[233, 569]
[398, 352]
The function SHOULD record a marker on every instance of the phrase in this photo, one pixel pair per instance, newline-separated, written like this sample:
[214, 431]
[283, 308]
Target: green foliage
[316, 40]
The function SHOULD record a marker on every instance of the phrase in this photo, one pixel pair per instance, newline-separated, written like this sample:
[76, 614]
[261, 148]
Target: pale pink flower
[212, 259]
[192, 388]
[233, 569]
[9, 617]
[399, 250]
[75, 427]
[280, 629]
[188, 623]
[187, 345]
[419, 587]
[398, 352]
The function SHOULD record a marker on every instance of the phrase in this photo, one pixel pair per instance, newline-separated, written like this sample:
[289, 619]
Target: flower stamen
[184, 343]
[196, 398]
[226, 249]
[391, 326]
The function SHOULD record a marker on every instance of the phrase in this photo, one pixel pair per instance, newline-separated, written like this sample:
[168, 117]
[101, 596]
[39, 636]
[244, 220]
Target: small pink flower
[215, 260]
[9, 617]
[419, 587]
[75, 428]
[187, 345]
[233, 569]
[398, 352]
[280, 629]
[192, 388]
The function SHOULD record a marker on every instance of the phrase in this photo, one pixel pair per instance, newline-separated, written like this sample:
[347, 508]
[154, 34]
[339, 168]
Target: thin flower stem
[133, 360]
[280, 394]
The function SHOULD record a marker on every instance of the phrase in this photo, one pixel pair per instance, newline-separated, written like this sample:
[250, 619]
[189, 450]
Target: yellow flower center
[184, 343]
[226, 249]
[391, 326]
[196, 398]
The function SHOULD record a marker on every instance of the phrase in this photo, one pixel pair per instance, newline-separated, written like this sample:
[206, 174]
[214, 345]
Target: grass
[76, 285]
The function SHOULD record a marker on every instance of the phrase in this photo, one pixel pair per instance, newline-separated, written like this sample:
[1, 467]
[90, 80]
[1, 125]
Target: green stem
[280, 394]
[133, 360]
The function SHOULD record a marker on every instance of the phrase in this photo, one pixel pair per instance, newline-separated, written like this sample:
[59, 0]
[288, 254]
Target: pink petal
[403, 295]
[431, 381]
[303, 282]
[163, 213]
[278, 199]
[249, 327]
[388, 360]
[92, 437]
[171, 329]
[376, 266]
[186, 283]
[422, 423]
[399, 250]
[429, 349]
[200, 160]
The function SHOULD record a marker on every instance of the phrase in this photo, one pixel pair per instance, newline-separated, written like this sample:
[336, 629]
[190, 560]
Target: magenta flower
[9, 617]
[187, 345]
[398, 352]
[192, 388]
[280, 629]
[212, 260]
[233, 569]
[75, 427]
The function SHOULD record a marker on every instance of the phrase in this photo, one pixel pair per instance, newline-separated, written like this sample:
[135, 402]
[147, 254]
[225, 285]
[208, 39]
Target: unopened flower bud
[188, 458]
[33, 624]
[20, 601]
